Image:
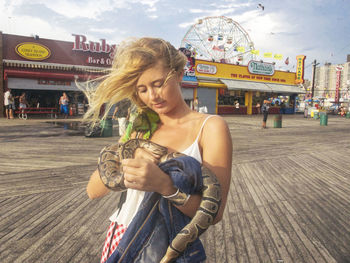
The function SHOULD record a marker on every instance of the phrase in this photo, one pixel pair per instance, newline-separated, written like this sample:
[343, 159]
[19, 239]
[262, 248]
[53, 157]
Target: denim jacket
[157, 221]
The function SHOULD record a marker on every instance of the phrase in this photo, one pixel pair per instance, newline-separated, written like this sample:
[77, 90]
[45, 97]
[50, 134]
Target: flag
[278, 56]
[240, 49]
[219, 48]
[268, 55]
[286, 61]
[254, 52]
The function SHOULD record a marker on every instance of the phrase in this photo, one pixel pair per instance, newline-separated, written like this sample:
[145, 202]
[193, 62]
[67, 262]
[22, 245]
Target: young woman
[149, 72]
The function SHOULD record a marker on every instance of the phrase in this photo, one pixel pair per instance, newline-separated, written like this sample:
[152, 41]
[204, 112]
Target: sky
[318, 29]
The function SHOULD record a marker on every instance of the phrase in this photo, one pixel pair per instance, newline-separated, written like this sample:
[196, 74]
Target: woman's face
[159, 94]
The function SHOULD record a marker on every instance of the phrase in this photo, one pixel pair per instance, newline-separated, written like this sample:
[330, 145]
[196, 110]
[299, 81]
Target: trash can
[316, 115]
[277, 121]
[347, 115]
[107, 127]
[323, 119]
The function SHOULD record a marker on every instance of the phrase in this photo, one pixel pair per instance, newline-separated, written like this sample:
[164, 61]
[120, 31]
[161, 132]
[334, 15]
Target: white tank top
[135, 197]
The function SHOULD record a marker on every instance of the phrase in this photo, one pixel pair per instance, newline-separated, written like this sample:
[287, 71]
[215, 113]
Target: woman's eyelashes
[155, 84]
[158, 84]
[141, 89]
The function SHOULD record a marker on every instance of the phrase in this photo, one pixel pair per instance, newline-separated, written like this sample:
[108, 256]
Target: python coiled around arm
[109, 165]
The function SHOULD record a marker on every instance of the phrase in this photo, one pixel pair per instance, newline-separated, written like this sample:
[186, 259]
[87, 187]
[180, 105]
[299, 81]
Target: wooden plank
[289, 197]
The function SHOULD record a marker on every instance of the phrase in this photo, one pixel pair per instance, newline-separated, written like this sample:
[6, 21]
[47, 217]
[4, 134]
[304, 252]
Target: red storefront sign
[78, 52]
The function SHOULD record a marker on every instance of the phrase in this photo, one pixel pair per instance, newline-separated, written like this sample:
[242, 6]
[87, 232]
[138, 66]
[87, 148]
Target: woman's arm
[216, 144]
[95, 187]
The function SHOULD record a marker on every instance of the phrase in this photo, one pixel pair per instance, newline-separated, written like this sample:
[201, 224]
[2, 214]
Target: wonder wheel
[219, 39]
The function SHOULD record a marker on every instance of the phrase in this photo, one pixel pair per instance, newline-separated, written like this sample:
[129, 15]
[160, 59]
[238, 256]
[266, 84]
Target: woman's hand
[143, 173]
[141, 153]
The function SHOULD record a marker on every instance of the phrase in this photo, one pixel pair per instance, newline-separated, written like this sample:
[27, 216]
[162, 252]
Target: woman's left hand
[143, 174]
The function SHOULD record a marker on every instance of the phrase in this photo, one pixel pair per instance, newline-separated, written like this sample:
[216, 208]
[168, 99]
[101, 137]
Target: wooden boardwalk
[289, 199]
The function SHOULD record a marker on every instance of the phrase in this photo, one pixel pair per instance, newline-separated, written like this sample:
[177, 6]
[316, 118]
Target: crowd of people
[10, 105]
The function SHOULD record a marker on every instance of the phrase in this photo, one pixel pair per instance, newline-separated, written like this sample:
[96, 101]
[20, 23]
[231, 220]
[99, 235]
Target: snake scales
[109, 165]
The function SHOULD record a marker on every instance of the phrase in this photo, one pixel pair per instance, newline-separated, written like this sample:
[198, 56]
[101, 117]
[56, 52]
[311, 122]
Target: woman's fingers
[143, 174]
[141, 153]
[132, 183]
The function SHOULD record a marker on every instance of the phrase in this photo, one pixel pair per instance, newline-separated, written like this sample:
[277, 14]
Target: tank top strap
[203, 123]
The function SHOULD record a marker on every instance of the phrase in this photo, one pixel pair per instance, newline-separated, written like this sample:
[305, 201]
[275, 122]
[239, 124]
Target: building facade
[333, 82]
[239, 89]
[45, 68]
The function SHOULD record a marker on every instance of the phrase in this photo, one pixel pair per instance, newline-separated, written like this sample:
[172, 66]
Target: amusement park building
[45, 68]
[221, 86]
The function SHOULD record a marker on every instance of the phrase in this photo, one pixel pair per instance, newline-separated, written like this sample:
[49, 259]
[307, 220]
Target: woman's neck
[175, 116]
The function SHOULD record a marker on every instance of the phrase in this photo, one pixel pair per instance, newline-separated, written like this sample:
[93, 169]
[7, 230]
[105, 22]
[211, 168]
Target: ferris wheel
[219, 39]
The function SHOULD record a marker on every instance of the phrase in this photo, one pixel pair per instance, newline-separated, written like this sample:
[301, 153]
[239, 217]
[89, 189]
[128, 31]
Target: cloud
[83, 9]
[153, 16]
[314, 28]
[37, 27]
[187, 24]
[150, 3]
[198, 11]
[103, 30]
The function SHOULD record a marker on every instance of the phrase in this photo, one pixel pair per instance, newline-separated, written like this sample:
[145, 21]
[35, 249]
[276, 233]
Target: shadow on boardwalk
[289, 198]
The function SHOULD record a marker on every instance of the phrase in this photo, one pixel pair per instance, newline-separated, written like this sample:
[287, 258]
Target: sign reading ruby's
[33, 51]
[81, 44]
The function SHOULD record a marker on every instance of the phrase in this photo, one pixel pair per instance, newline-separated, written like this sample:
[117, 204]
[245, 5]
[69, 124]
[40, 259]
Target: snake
[109, 167]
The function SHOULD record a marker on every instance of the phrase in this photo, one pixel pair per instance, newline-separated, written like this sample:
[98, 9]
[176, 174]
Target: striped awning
[261, 86]
[55, 66]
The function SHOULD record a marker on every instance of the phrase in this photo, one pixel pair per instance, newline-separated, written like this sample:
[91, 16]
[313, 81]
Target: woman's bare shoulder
[215, 121]
[215, 129]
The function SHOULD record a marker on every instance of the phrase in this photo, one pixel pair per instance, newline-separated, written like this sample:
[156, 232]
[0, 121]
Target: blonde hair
[133, 57]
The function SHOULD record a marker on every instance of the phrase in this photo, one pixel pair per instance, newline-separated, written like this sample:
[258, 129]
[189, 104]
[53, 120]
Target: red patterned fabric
[112, 240]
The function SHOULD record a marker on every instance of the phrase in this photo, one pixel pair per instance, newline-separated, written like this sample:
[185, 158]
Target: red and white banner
[337, 84]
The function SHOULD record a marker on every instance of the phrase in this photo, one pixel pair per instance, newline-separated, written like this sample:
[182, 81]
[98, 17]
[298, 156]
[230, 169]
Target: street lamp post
[314, 64]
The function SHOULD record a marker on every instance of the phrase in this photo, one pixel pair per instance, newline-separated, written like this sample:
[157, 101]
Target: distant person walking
[121, 113]
[23, 101]
[63, 102]
[265, 111]
[9, 104]
[282, 107]
[237, 107]
[196, 104]
[258, 106]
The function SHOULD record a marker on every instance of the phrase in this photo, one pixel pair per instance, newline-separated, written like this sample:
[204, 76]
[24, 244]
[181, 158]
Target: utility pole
[314, 64]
